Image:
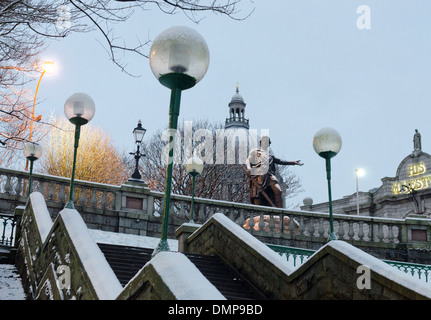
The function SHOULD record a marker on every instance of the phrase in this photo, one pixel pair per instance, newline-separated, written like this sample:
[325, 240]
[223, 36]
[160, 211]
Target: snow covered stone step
[126, 261]
[10, 283]
[223, 277]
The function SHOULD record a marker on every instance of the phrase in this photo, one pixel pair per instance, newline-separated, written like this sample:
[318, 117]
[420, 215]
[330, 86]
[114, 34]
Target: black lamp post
[138, 133]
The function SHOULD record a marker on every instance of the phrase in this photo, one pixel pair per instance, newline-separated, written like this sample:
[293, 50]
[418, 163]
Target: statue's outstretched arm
[288, 163]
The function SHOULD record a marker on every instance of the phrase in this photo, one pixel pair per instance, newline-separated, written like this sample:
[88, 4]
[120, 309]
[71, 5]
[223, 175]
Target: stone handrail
[298, 256]
[331, 272]
[60, 259]
[57, 188]
[297, 226]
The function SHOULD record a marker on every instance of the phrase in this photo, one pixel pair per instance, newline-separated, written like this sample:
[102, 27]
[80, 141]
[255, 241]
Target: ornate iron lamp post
[327, 143]
[194, 167]
[32, 152]
[79, 110]
[138, 133]
[179, 58]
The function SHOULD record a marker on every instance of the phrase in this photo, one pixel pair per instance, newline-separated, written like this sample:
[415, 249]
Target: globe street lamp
[327, 143]
[79, 109]
[358, 173]
[179, 58]
[32, 152]
[138, 133]
[194, 167]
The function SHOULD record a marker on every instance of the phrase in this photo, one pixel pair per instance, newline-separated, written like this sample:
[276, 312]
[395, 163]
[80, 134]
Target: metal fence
[7, 230]
[297, 256]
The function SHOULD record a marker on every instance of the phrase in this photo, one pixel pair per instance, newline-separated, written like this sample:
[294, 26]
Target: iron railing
[297, 256]
[419, 271]
[7, 230]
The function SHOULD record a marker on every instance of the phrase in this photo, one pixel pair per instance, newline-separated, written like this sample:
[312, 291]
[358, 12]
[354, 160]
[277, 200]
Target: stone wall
[331, 273]
[49, 249]
[133, 208]
[60, 260]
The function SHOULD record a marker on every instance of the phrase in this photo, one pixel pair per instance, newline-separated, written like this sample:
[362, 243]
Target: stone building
[406, 194]
[237, 117]
[239, 139]
[237, 143]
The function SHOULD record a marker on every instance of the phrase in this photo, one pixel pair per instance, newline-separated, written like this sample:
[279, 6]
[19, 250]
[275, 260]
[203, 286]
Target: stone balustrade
[56, 189]
[134, 208]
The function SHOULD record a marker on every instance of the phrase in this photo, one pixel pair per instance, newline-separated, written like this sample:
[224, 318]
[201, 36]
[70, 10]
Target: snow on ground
[130, 239]
[10, 283]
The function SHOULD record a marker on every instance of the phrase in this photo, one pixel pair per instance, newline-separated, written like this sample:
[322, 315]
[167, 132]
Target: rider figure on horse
[261, 166]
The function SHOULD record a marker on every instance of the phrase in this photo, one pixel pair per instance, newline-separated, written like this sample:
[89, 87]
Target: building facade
[406, 194]
[237, 143]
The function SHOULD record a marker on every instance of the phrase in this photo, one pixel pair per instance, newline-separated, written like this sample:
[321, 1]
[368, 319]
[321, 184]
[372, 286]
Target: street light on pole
[138, 133]
[327, 143]
[358, 173]
[179, 58]
[48, 66]
[194, 167]
[32, 152]
[79, 109]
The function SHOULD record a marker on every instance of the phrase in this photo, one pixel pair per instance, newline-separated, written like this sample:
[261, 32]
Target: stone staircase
[11, 287]
[126, 261]
[4, 255]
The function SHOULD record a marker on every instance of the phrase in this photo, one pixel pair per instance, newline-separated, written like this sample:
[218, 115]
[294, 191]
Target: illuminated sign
[415, 182]
[416, 169]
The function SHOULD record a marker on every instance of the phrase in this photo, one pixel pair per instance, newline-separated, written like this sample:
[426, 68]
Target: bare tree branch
[217, 181]
[26, 25]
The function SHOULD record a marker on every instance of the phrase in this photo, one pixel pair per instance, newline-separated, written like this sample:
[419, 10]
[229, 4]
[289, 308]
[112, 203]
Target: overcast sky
[301, 65]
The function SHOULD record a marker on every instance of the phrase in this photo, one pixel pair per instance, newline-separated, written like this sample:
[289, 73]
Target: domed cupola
[237, 112]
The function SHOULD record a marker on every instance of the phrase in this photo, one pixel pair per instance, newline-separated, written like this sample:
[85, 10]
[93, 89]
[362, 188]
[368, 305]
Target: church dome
[237, 97]
[237, 112]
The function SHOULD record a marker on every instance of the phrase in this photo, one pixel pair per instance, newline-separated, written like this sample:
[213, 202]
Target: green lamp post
[327, 143]
[194, 167]
[179, 58]
[32, 152]
[79, 109]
